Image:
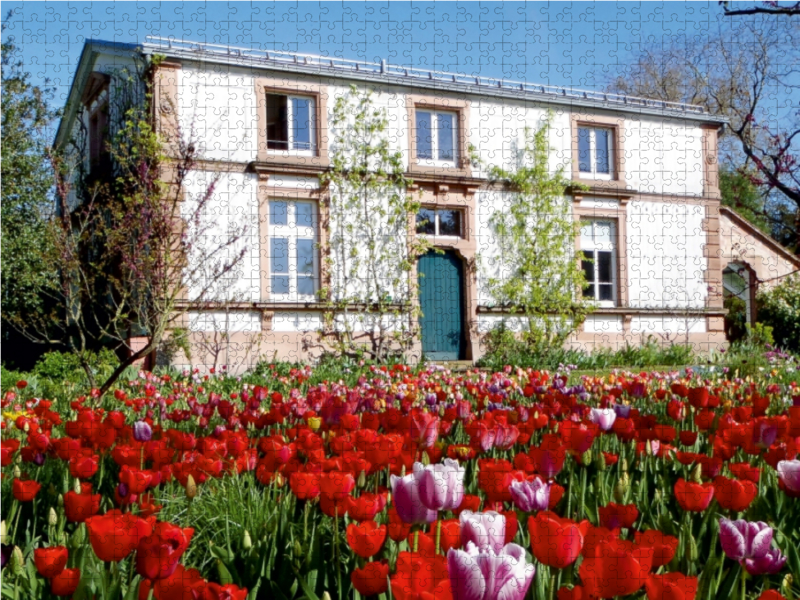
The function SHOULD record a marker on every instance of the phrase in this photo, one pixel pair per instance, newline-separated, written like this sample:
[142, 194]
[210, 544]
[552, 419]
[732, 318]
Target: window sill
[292, 158]
[444, 169]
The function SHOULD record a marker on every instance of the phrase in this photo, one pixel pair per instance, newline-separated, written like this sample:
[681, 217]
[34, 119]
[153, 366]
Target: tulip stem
[744, 584]
[438, 535]
[551, 593]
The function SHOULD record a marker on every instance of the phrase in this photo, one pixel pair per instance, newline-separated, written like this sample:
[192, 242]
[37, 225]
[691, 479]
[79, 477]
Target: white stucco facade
[661, 195]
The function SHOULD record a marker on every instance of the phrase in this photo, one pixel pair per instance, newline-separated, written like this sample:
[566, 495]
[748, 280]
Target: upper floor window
[437, 137]
[442, 222]
[595, 148]
[293, 260]
[599, 262]
[98, 131]
[291, 123]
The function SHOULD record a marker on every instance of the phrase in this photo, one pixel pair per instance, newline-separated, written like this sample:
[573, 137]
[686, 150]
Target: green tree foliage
[779, 308]
[28, 272]
[740, 194]
[370, 296]
[540, 277]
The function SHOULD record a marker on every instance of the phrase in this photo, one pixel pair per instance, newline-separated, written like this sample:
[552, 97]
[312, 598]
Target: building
[650, 216]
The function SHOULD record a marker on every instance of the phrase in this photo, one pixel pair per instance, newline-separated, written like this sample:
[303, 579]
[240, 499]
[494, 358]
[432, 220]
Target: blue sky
[567, 44]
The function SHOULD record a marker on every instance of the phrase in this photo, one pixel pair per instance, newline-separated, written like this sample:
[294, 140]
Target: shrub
[779, 308]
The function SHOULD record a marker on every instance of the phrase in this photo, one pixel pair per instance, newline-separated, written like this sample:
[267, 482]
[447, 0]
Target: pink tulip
[769, 564]
[488, 575]
[529, 496]
[742, 540]
[441, 487]
[406, 498]
[603, 417]
[789, 474]
[484, 530]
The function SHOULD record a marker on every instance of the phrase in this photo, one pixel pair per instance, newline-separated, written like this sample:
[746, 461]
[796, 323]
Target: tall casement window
[437, 137]
[599, 262]
[595, 152]
[293, 260]
[291, 123]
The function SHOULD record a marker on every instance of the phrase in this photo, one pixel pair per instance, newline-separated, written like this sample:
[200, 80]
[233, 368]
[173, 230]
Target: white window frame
[593, 246]
[290, 132]
[435, 162]
[593, 174]
[436, 233]
[293, 232]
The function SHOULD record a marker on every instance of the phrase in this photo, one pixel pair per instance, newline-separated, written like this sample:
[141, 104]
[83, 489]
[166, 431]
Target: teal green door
[441, 301]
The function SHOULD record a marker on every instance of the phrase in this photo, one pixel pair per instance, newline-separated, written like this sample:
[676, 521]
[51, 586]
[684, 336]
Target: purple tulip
[764, 434]
[742, 540]
[769, 564]
[529, 496]
[603, 417]
[142, 431]
[622, 410]
[406, 498]
[488, 575]
[484, 530]
[441, 487]
[789, 474]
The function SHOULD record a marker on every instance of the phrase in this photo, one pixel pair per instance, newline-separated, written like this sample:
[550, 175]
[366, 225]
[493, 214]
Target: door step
[454, 365]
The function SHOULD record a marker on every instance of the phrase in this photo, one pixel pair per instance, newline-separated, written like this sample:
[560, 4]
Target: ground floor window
[292, 247]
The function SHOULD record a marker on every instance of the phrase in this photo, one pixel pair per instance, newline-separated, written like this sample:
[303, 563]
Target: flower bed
[409, 484]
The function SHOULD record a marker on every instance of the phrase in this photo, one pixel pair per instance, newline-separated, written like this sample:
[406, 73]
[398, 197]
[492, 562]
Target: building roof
[382, 72]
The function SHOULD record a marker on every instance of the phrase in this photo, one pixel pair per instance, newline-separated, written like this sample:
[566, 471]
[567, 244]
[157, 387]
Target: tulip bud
[27, 427]
[586, 458]
[191, 487]
[279, 480]
[60, 501]
[326, 596]
[17, 472]
[78, 537]
[697, 474]
[298, 549]
[600, 461]
[426, 460]
[3, 533]
[247, 542]
[621, 488]
[624, 465]
[786, 586]
[17, 561]
[52, 518]
[76, 486]
[362, 479]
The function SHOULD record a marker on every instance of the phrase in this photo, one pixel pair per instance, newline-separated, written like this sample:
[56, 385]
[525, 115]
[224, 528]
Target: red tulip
[336, 485]
[371, 579]
[79, 507]
[158, 554]
[398, 529]
[366, 539]
[556, 542]
[177, 586]
[305, 486]
[115, 535]
[671, 586]
[734, 494]
[50, 561]
[450, 534]
[215, 591]
[614, 515]
[84, 467]
[66, 582]
[698, 397]
[692, 496]
[25, 491]
[419, 577]
[664, 546]
[366, 506]
[602, 572]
